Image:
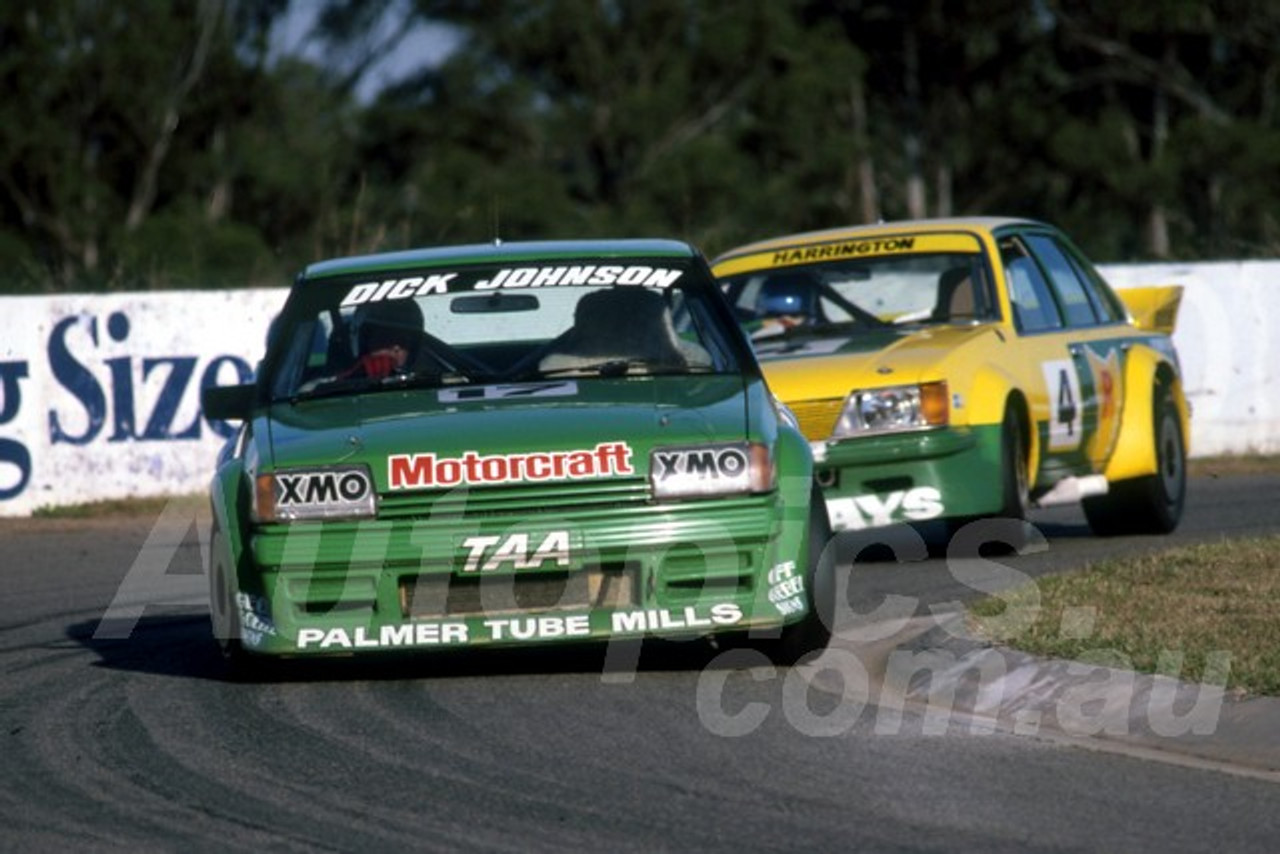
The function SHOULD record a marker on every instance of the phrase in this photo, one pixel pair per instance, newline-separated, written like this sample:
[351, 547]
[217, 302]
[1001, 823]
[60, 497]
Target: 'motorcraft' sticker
[427, 471]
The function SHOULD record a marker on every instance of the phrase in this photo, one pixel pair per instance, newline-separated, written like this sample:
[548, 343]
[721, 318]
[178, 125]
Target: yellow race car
[967, 368]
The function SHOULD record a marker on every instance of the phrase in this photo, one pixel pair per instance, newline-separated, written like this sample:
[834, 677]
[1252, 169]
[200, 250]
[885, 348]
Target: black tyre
[1014, 478]
[811, 634]
[224, 613]
[1151, 504]
[222, 606]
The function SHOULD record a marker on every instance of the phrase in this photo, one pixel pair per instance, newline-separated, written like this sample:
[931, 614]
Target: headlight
[705, 470]
[886, 410]
[321, 493]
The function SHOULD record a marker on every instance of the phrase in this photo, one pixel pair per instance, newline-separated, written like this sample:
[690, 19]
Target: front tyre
[1014, 476]
[224, 612]
[1151, 504]
[812, 633]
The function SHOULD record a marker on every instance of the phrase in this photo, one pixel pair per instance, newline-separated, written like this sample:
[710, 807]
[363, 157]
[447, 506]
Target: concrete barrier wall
[1228, 346]
[99, 395]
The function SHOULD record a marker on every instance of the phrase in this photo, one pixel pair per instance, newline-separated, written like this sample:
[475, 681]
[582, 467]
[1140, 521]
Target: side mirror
[228, 402]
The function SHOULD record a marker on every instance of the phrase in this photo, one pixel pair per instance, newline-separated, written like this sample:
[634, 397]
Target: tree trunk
[868, 193]
[144, 193]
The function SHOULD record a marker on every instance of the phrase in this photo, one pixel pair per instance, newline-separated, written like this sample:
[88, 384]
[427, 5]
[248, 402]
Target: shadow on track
[181, 645]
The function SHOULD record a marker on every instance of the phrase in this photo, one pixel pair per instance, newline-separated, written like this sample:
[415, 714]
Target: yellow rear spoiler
[1154, 307]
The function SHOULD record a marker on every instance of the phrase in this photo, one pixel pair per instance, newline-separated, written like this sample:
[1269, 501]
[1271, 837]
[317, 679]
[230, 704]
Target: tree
[165, 144]
[105, 100]
[1160, 81]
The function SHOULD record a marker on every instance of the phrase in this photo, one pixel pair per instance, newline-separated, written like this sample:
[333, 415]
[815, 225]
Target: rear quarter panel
[1147, 368]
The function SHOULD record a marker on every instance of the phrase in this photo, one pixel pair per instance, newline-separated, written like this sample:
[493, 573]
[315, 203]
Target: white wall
[1229, 350]
[99, 395]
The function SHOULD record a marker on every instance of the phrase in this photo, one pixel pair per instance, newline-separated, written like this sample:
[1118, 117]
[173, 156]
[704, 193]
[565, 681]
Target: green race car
[512, 444]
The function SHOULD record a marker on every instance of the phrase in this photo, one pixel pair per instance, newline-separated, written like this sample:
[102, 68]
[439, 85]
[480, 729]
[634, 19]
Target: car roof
[882, 229]
[499, 252]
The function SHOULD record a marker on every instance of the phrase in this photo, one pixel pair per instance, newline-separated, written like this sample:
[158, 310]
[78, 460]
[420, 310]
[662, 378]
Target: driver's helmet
[788, 294]
[389, 323]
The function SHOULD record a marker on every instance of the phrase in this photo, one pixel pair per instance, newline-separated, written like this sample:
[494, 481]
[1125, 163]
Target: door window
[1076, 304]
[1034, 308]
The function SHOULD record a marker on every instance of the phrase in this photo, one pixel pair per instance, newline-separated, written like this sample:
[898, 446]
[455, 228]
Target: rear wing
[1155, 307]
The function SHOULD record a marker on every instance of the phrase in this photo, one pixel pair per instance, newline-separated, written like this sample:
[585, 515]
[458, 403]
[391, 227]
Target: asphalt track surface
[118, 729]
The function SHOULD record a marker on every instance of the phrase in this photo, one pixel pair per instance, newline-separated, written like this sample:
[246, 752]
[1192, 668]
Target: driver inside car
[388, 336]
[786, 300]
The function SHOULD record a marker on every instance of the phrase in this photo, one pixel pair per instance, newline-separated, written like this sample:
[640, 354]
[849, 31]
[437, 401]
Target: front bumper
[484, 576]
[876, 481]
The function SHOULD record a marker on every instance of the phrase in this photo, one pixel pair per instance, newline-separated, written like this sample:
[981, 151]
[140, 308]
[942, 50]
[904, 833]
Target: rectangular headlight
[894, 408]
[706, 470]
[340, 492]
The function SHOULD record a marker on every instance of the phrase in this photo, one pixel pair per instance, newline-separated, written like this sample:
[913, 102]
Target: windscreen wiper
[392, 382]
[622, 367]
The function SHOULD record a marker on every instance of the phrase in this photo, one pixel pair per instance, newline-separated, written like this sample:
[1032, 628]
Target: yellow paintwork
[1154, 307]
[782, 254]
[992, 366]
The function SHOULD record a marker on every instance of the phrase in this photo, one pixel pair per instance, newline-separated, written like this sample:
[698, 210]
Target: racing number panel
[1085, 395]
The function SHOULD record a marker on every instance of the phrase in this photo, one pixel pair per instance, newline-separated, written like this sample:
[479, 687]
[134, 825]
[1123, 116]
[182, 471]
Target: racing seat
[619, 324]
[955, 296]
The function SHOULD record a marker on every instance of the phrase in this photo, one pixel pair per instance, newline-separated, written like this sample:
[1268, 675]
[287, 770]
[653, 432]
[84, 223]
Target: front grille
[438, 595]
[560, 497]
[817, 417]
[427, 543]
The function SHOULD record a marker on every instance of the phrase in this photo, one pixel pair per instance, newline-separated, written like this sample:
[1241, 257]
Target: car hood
[556, 415]
[808, 367]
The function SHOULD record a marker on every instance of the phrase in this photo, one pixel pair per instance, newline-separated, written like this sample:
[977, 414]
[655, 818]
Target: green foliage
[182, 249]
[154, 144]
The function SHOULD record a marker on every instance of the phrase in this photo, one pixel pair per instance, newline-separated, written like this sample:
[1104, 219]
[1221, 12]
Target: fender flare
[992, 393]
[1134, 455]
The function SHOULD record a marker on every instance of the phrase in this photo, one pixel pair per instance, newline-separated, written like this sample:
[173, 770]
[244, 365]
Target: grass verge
[1183, 612]
[1231, 464]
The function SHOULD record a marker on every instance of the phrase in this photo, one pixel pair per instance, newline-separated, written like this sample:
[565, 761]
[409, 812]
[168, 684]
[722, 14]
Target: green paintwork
[644, 411]
[487, 253]
[912, 477]
[693, 566]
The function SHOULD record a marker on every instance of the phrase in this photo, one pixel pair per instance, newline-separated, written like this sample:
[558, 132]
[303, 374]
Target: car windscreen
[510, 322]
[847, 295]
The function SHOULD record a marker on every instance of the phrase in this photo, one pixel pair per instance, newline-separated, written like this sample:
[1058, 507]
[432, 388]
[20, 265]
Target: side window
[1034, 309]
[1075, 301]
[1105, 302]
[743, 292]
[702, 339]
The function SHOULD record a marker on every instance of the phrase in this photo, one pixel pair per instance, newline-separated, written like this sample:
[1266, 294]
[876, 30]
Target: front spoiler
[879, 481]
[336, 637]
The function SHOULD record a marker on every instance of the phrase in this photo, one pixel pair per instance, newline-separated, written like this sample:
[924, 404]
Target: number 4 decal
[1064, 404]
